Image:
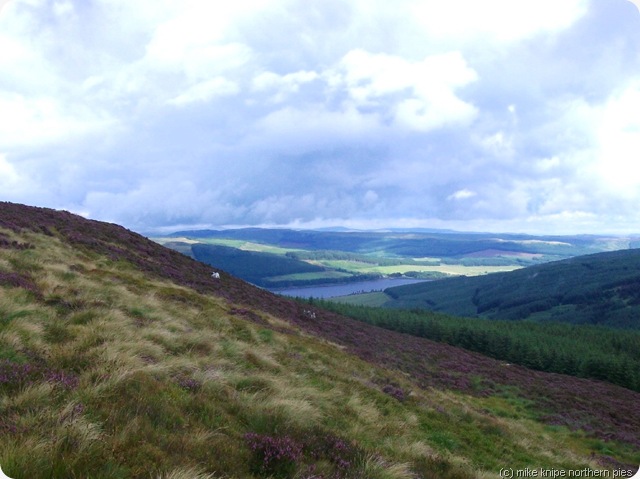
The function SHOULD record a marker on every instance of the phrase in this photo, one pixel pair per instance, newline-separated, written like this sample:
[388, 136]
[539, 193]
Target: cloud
[474, 115]
[8, 175]
[419, 95]
[309, 128]
[502, 20]
[206, 91]
[38, 121]
[618, 163]
[281, 87]
[462, 195]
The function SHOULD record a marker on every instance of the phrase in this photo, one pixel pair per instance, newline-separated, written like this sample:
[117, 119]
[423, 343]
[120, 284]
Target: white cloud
[503, 20]
[37, 121]
[462, 195]
[205, 91]
[63, 9]
[8, 175]
[419, 95]
[618, 163]
[499, 145]
[282, 86]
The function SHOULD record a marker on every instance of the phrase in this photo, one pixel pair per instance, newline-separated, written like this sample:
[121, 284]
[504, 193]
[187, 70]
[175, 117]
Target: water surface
[333, 290]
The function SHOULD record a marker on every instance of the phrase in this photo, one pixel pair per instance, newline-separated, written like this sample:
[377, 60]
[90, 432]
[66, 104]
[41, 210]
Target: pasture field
[449, 269]
[239, 244]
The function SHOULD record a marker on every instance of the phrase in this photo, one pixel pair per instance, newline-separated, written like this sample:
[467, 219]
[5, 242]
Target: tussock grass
[374, 467]
[187, 473]
[141, 378]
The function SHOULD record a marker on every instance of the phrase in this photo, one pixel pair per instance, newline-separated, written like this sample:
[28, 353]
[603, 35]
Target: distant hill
[277, 258]
[120, 358]
[602, 288]
[443, 244]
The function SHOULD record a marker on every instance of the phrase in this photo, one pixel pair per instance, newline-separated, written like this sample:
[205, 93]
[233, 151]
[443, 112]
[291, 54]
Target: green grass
[144, 378]
[250, 246]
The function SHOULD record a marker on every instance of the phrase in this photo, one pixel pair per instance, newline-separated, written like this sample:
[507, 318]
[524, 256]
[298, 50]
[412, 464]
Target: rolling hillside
[602, 288]
[410, 244]
[120, 358]
[277, 258]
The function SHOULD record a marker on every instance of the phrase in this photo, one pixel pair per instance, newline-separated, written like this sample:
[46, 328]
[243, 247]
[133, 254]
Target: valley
[282, 258]
[120, 358]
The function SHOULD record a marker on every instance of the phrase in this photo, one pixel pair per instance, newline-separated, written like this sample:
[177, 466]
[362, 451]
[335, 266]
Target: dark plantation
[252, 266]
[598, 289]
[583, 351]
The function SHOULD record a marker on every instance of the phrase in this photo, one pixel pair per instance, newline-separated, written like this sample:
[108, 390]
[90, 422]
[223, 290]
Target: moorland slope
[120, 358]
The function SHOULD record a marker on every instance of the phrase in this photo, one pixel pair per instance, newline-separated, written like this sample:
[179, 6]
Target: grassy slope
[599, 289]
[120, 358]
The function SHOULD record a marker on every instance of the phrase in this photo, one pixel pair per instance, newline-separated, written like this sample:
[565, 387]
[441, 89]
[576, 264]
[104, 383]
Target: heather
[122, 359]
[595, 352]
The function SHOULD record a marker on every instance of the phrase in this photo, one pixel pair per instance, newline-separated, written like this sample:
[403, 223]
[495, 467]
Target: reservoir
[333, 290]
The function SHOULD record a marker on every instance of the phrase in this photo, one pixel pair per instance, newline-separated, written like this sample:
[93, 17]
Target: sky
[160, 115]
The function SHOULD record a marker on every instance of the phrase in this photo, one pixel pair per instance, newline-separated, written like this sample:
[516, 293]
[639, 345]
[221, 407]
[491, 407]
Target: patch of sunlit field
[449, 269]
[249, 246]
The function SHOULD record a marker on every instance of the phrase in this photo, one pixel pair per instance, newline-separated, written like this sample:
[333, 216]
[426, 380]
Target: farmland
[290, 258]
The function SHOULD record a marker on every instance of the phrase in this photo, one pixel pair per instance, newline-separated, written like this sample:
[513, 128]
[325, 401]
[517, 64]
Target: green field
[449, 269]
[239, 244]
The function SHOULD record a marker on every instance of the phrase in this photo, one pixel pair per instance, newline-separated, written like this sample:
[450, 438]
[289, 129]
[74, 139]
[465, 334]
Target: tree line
[578, 350]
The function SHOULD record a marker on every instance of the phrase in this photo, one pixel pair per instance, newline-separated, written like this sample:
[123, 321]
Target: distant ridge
[601, 288]
[419, 242]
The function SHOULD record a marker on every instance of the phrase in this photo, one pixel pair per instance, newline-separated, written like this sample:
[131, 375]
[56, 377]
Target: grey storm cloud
[495, 115]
